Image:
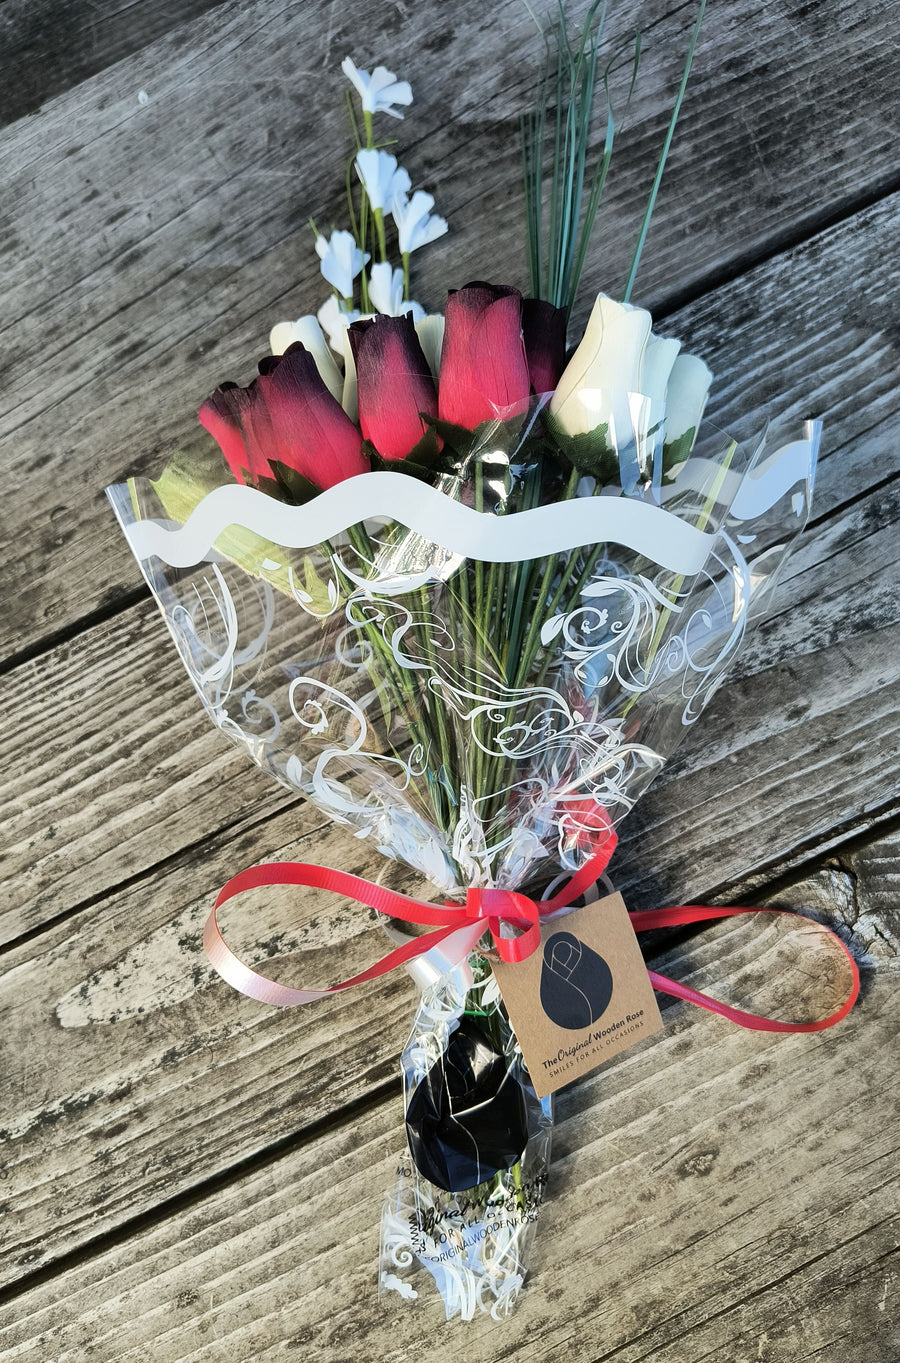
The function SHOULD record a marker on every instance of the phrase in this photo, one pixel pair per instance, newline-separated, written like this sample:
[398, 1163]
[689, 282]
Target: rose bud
[394, 384]
[484, 369]
[606, 365]
[544, 331]
[286, 415]
[222, 415]
[312, 432]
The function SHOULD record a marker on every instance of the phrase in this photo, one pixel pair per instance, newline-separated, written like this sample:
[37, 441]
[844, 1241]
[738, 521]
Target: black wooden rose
[468, 1117]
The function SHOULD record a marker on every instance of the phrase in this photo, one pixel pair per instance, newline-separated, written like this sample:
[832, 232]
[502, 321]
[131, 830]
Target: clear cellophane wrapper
[464, 674]
[471, 1181]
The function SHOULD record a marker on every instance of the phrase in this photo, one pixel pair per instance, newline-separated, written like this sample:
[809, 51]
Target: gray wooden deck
[187, 1175]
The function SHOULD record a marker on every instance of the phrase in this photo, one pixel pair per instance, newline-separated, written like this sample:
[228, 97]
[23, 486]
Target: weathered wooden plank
[47, 47]
[716, 1194]
[118, 1024]
[151, 246]
[81, 1140]
[110, 1020]
[777, 773]
[110, 766]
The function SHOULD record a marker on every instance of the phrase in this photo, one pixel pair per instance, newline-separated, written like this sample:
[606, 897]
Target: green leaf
[186, 480]
[289, 485]
[319, 593]
[589, 452]
[456, 438]
[676, 453]
[426, 460]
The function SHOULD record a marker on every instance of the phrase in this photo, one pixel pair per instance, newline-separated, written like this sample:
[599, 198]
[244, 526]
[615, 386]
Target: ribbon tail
[752, 1021]
[260, 987]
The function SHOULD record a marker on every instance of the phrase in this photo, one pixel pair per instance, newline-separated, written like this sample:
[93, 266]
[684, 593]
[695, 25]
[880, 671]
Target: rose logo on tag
[582, 998]
[576, 983]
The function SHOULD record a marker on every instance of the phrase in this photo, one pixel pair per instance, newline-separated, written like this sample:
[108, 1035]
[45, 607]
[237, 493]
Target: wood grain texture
[130, 1071]
[110, 767]
[786, 766]
[133, 1072]
[716, 1194]
[186, 1175]
[148, 248]
[47, 47]
[112, 770]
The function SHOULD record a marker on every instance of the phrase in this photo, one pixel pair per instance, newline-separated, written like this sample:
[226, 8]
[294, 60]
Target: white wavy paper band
[456, 528]
[553, 529]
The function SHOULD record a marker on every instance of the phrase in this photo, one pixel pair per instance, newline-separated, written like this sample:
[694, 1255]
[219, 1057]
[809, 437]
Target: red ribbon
[500, 911]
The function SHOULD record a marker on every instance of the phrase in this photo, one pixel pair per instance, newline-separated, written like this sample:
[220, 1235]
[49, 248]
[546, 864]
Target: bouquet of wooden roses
[465, 590]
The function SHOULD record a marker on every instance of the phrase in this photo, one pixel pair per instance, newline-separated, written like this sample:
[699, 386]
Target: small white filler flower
[341, 260]
[381, 177]
[416, 224]
[380, 91]
[309, 333]
[334, 320]
[386, 292]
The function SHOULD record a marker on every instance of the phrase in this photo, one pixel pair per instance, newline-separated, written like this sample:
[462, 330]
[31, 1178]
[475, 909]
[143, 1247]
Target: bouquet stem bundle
[466, 593]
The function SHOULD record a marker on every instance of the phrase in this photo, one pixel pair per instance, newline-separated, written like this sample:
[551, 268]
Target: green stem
[378, 215]
[533, 637]
[399, 682]
[518, 660]
[434, 701]
[518, 582]
[363, 236]
[657, 179]
[478, 756]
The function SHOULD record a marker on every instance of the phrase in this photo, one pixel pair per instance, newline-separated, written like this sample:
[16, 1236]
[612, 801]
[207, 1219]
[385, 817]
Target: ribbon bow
[512, 919]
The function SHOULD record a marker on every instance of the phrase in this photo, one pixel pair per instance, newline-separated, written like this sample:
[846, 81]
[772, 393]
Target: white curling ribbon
[763, 486]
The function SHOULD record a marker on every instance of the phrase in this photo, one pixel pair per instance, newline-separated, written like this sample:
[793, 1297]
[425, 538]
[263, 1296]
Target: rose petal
[544, 329]
[499, 364]
[483, 365]
[217, 417]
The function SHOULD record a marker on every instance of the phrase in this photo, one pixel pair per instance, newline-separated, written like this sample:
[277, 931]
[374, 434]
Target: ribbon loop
[512, 919]
[507, 909]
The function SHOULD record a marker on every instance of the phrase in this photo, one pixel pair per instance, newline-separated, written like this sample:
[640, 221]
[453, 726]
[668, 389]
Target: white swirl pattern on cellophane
[557, 743]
